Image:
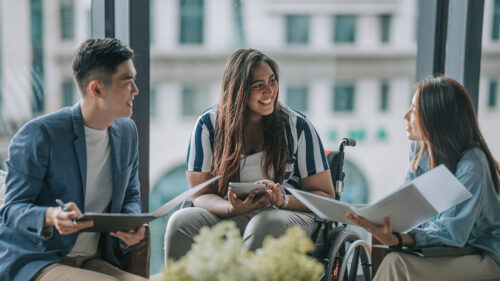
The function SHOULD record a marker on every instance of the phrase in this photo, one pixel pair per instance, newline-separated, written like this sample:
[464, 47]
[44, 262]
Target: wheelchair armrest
[136, 261]
[187, 203]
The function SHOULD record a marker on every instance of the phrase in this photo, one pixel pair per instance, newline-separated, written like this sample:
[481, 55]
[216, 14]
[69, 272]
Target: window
[89, 23]
[191, 21]
[67, 13]
[194, 100]
[357, 134]
[239, 38]
[495, 29]
[384, 97]
[37, 70]
[333, 135]
[297, 98]
[1, 65]
[357, 191]
[385, 28]
[343, 98]
[171, 184]
[297, 29]
[381, 134]
[153, 102]
[492, 96]
[344, 27]
[68, 93]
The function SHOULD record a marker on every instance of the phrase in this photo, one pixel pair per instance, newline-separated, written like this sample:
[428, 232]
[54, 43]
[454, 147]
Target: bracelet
[400, 241]
[287, 198]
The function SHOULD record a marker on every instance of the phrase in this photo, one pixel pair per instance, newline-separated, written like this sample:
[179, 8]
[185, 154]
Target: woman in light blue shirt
[442, 123]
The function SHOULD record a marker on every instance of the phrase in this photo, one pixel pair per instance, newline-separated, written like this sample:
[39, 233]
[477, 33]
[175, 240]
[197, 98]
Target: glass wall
[489, 91]
[1, 77]
[349, 66]
[37, 41]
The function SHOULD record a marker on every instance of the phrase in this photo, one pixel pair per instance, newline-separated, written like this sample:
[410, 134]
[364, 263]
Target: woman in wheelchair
[442, 123]
[250, 137]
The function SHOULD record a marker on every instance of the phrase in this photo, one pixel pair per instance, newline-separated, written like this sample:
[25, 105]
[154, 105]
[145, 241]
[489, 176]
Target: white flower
[218, 255]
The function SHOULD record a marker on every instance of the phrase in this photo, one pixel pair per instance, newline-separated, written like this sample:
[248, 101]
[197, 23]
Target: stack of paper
[407, 207]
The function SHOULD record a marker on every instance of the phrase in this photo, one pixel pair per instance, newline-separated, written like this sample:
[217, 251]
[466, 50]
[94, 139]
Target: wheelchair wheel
[344, 260]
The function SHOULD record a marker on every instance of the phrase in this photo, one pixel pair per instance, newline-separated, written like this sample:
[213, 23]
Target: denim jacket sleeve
[27, 166]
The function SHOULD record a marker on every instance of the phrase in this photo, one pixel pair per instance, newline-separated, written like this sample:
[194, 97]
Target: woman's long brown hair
[231, 119]
[449, 124]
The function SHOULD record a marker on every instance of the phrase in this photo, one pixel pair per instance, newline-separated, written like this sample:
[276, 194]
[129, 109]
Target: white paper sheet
[408, 206]
[170, 205]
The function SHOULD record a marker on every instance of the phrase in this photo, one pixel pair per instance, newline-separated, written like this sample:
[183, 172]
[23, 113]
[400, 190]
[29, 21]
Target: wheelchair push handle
[346, 142]
[339, 182]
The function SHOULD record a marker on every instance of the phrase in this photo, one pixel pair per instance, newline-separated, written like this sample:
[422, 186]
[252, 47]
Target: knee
[267, 220]
[177, 219]
[393, 259]
[182, 227]
[266, 223]
[393, 267]
[179, 222]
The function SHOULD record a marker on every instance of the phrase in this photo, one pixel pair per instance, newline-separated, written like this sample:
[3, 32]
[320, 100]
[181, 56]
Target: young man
[86, 156]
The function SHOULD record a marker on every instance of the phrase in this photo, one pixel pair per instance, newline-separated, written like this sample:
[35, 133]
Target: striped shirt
[305, 150]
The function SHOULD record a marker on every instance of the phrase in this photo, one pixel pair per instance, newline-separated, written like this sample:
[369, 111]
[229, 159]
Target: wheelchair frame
[339, 243]
[342, 249]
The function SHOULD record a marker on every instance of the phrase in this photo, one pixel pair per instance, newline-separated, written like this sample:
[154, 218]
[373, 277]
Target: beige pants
[84, 269]
[407, 267]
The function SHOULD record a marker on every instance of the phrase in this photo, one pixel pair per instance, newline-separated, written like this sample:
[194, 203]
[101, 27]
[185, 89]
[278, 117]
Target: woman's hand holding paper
[382, 233]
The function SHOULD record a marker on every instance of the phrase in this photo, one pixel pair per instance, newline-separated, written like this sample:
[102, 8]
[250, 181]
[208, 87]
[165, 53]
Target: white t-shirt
[99, 186]
[251, 168]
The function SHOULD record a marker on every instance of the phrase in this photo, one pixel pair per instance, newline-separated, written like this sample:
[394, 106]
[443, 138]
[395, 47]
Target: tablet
[242, 188]
[111, 222]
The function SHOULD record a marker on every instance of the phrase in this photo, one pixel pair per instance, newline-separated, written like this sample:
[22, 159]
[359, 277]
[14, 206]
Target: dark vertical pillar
[139, 42]
[103, 18]
[128, 20]
[463, 61]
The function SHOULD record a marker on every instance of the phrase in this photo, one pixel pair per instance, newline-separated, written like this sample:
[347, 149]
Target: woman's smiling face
[263, 90]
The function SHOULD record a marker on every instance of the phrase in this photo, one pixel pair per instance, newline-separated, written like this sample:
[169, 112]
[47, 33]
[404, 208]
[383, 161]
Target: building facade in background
[348, 65]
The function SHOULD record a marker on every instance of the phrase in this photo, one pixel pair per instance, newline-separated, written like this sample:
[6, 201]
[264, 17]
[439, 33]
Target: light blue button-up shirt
[474, 222]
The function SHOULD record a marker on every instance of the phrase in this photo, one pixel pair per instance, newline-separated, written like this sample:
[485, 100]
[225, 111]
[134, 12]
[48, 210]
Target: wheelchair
[339, 249]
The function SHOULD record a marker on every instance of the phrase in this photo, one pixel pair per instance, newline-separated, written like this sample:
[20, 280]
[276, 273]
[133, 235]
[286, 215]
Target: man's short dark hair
[97, 59]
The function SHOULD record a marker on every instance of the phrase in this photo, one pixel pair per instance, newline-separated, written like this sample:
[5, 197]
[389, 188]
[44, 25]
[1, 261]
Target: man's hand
[63, 221]
[239, 207]
[130, 237]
